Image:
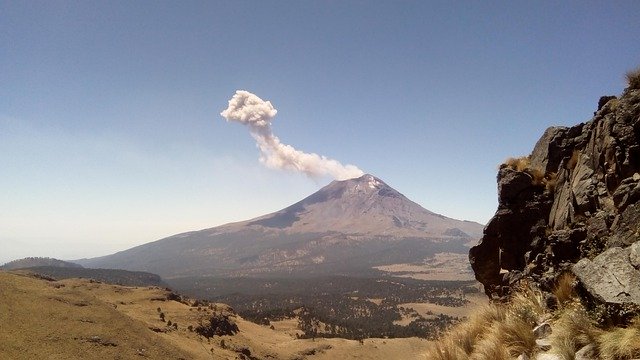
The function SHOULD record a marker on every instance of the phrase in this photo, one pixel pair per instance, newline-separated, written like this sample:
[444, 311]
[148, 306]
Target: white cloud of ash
[250, 110]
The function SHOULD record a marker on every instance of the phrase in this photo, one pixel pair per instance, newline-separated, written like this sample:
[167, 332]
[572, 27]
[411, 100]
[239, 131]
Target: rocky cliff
[571, 205]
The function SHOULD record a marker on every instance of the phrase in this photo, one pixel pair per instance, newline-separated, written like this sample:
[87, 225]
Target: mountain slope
[37, 261]
[364, 205]
[346, 227]
[85, 319]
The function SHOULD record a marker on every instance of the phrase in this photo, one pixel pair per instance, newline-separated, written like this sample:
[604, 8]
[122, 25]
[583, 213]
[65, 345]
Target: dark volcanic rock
[574, 207]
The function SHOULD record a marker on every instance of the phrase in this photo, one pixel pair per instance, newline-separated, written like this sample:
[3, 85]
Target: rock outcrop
[572, 205]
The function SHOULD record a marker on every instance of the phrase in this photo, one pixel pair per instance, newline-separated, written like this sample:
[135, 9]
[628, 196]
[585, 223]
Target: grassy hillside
[66, 319]
[111, 276]
[85, 319]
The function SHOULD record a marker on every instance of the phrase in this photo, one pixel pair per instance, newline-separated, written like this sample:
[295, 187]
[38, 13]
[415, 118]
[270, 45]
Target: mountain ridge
[349, 225]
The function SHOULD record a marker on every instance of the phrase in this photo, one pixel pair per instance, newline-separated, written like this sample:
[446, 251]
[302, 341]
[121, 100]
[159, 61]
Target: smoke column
[248, 109]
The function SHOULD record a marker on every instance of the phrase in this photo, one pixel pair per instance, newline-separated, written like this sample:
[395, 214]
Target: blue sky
[110, 133]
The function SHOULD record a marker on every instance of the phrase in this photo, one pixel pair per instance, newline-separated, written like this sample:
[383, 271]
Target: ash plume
[248, 109]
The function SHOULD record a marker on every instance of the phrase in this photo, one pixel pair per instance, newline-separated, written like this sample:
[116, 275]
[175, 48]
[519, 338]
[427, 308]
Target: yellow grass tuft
[495, 331]
[505, 331]
[633, 78]
[538, 176]
[528, 304]
[518, 164]
[620, 343]
[564, 289]
[462, 341]
[447, 351]
[490, 348]
[572, 330]
[517, 335]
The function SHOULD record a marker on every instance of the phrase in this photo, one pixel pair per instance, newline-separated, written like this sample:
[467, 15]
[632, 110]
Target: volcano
[347, 227]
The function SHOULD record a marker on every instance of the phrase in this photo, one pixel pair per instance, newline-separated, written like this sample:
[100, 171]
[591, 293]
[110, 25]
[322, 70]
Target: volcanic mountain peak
[363, 205]
[347, 226]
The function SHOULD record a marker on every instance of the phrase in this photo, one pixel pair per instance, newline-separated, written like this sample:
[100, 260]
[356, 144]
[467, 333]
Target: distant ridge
[38, 261]
[109, 276]
[347, 227]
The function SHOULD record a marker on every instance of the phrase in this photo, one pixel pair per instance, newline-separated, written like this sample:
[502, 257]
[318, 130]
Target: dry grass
[527, 304]
[620, 343]
[518, 164]
[564, 347]
[465, 338]
[447, 351]
[538, 176]
[633, 78]
[490, 348]
[564, 289]
[495, 331]
[573, 329]
[506, 331]
[65, 320]
[517, 336]
[79, 319]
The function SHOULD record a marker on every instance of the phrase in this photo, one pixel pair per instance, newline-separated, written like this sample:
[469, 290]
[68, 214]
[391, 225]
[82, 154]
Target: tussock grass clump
[564, 289]
[490, 348]
[527, 304]
[538, 176]
[620, 343]
[572, 330]
[495, 331]
[633, 78]
[518, 336]
[447, 351]
[505, 331]
[465, 336]
[518, 164]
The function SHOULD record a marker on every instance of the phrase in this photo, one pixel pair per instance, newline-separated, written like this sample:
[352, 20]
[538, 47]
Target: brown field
[443, 266]
[78, 318]
[423, 309]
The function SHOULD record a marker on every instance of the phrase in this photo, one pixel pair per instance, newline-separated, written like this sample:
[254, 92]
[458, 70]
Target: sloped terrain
[111, 276]
[37, 261]
[85, 319]
[347, 227]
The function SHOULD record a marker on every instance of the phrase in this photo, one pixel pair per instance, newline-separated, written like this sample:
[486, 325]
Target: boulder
[610, 277]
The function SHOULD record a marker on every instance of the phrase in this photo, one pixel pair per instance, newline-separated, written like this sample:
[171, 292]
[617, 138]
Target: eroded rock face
[610, 276]
[576, 202]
